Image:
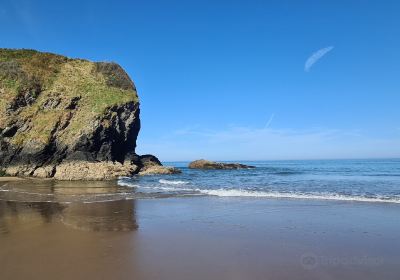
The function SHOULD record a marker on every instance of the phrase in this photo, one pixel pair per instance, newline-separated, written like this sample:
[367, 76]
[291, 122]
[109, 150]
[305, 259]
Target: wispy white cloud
[315, 57]
[240, 143]
[271, 118]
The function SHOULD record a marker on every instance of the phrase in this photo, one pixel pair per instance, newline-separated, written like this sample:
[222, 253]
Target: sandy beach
[199, 238]
[199, 140]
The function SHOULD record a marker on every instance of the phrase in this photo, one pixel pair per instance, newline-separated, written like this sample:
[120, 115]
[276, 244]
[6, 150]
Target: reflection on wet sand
[101, 216]
[77, 205]
[58, 191]
[23, 215]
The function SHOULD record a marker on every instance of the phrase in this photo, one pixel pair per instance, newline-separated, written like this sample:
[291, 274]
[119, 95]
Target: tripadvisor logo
[311, 261]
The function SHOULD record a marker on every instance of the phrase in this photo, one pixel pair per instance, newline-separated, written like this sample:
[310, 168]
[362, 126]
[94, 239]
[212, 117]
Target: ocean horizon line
[285, 160]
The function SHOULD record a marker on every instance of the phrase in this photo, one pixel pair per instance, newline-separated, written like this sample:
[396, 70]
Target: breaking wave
[314, 196]
[172, 182]
[176, 189]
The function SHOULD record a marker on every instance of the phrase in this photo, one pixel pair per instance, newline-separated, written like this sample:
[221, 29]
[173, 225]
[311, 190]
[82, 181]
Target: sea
[369, 180]
[374, 180]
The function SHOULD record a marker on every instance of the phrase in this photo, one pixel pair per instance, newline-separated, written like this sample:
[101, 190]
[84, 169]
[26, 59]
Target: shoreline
[109, 186]
[11, 179]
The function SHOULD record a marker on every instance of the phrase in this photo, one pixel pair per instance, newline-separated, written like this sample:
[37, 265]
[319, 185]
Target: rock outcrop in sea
[150, 165]
[206, 164]
[68, 119]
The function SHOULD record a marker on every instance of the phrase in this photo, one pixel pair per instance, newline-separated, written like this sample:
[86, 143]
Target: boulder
[151, 165]
[206, 164]
[160, 170]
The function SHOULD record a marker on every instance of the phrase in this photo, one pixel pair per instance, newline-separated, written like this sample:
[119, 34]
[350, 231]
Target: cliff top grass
[37, 87]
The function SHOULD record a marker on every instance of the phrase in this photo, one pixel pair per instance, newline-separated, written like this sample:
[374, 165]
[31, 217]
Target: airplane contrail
[315, 57]
[270, 120]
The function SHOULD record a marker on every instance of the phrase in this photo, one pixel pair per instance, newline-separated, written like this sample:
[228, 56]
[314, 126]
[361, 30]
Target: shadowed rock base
[102, 170]
[78, 170]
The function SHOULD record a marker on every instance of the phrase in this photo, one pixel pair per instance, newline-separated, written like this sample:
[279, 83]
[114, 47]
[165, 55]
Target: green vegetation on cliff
[45, 91]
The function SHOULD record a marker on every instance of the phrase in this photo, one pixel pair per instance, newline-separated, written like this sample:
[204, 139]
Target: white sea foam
[127, 184]
[246, 193]
[27, 193]
[258, 194]
[172, 182]
[169, 188]
[173, 189]
[158, 188]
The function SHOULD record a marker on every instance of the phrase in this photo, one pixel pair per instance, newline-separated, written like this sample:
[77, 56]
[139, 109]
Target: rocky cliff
[66, 118]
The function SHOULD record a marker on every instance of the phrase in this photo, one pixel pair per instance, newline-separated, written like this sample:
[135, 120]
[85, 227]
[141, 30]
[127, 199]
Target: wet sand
[10, 179]
[199, 238]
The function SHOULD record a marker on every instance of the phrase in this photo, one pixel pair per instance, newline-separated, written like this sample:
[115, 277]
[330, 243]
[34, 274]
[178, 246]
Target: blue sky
[226, 80]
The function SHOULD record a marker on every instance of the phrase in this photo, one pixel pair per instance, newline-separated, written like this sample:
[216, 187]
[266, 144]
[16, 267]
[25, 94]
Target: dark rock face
[149, 160]
[113, 138]
[115, 141]
[206, 164]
